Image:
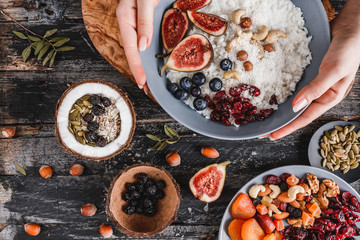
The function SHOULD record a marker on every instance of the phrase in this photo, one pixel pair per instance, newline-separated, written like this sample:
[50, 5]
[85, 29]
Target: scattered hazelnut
[245, 22]
[45, 171]
[88, 209]
[269, 48]
[209, 152]
[248, 66]
[32, 229]
[242, 55]
[8, 132]
[76, 170]
[173, 159]
[106, 231]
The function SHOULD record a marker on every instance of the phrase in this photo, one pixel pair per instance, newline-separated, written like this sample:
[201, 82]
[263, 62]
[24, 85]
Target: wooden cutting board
[102, 26]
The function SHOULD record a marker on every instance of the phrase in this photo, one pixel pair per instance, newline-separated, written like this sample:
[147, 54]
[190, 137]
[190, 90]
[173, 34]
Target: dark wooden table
[28, 94]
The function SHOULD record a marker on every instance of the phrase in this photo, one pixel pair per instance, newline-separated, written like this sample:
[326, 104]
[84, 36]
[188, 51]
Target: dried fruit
[251, 230]
[32, 229]
[209, 152]
[174, 26]
[243, 207]
[191, 54]
[76, 170]
[190, 5]
[106, 231]
[8, 132]
[45, 171]
[234, 229]
[88, 209]
[209, 23]
[207, 183]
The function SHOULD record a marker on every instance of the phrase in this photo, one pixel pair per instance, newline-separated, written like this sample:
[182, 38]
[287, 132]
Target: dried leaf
[152, 137]
[162, 145]
[65, 48]
[156, 145]
[20, 169]
[55, 39]
[39, 47]
[26, 53]
[43, 50]
[171, 142]
[61, 42]
[19, 34]
[50, 32]
[172, 131]
[52, 60]
[34, 39]
[167, 132]
[48, 56]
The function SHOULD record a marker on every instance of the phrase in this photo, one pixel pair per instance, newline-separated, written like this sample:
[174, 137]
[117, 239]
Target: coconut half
[123, 104]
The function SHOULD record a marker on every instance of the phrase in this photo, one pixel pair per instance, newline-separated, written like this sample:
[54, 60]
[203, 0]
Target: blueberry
[142, 178]
[130, 187]
[185, 83]
[296, 213]
[92, 126]
[135, 194]
[199, 79]
[159, 195]
[106, 101]
[172, 87]
[126, 197]
[215, 84]
[181, 95]
[195, 91]
[91, 136]
[134, 203]
[94, 99]
[226, 64]
[130, 210]
[148, 203]
[160, 184]
[151, 190]
[149, 212]
[88, 117]
[97, 110]
[200, 103]
[100, 141]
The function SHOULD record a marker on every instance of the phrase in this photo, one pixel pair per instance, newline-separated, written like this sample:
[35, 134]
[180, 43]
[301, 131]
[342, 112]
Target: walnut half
[333, 189]
[295, 222]
[313, 182]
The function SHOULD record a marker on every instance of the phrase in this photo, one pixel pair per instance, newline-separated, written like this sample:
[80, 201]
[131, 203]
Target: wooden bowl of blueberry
[143, 200]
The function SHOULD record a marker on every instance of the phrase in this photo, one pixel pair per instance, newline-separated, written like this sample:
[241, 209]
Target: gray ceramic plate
[299, 171]
[315, 158]
[316, 22]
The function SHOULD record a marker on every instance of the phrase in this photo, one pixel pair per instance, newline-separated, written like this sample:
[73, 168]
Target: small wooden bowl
[138, 225]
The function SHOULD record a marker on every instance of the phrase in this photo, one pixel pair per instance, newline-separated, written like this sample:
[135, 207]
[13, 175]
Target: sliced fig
[209, 23]
[192, 54]
[174, 26]
[190, 5]
[207, 184]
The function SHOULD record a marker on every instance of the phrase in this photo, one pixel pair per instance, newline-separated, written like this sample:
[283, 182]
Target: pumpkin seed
[70, 129]
[77, 107]
[92, 144]
[87, 103]
[76, 123]
[322, 153]
[339, 128]
[85, 97]
[80, 133]
[351, 128]
[86, 111]
[333, 132]
[355, 165]
[336, 167]
[355, 148]
[76, 128]
[324, 161]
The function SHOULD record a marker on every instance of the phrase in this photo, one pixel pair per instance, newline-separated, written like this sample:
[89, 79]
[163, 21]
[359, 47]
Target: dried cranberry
[309, 198]
[285, 176]
[254, 91]
[235, 91]
[259, 117]
[244, 87]
[273, 100]
[223, 105]
[215, 116]
[246, 100]
[249, 118]
[354, 202]
[226, 122]
[236, 107]
[273, 179]
[266, 112]
[283, 206]
[219, 96]
[240, 121]
[238, 115]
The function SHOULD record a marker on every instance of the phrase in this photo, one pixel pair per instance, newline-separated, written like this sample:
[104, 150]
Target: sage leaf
[156, 145]
[20, 169]
[172, 131]
[48, 56]
[19, 34]
[167, 132]
[162, 145]
[65, 48]
[61, 42]
[52, 60]
[34, 39]
[43, 51]
[152, 137]
[26, 53]
[55, 39]
[50, 32]
[39, 47]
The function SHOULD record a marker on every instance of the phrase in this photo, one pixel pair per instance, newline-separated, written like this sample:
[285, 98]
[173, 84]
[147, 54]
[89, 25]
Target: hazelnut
[248, 66]
[106, 231]
[209, 152]
[8, 132]
[76, 170]
[173, 159]
[88, 209]
[245, 22]
[32, 229]
[242, 55]
[45, 171]
[269, 48]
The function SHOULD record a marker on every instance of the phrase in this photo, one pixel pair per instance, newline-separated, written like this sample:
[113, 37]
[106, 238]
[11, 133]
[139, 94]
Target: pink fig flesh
[190, 5]
[174, 26]
[209, 23]
[192, 54]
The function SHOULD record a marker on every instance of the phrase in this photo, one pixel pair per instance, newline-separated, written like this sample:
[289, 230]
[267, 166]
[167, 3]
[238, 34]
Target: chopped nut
[246, 35]
[232, 44]
[313, 182]
[295, 222]
[324, 202]
[232, 74]
[333, 189]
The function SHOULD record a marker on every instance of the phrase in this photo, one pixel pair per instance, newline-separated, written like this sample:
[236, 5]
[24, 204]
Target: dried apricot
[234, 229]
[243, 207]
[279, 224]
[270, 236]
[262, 209]
[292, 180]
[251, 230]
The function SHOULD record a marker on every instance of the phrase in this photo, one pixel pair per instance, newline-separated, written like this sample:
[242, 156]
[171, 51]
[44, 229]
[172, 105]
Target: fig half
[207, 184]
[190, 5]
[209, 23]
[192, 54]
[174, 26]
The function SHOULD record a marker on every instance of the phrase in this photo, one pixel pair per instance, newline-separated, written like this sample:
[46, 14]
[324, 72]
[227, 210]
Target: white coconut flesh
[63, 120]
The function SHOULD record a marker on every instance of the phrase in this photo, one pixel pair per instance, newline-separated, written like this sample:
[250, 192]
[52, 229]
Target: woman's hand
[336, 73]
[135, 19]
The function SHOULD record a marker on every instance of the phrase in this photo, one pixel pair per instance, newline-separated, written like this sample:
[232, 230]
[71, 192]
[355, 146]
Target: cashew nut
[235, 74]
[275, 191]
[237, 14]
[246, 35]
[261, 48]
[266, 201]
[295, 190]
[272, 208]
[254, 190]
[261, 35]
[324, 202]
[232, 44]
[274, 34]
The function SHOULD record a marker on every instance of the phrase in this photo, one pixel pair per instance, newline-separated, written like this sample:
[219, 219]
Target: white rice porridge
[277, 72]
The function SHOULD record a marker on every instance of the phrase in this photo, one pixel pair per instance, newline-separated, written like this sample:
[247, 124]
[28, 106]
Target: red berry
[254, 91]
[273, 100]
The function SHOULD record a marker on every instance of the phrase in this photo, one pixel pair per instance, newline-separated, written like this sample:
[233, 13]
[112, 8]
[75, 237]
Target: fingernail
[300, 105]
[141, 87]
[142, 43]
[271, 138]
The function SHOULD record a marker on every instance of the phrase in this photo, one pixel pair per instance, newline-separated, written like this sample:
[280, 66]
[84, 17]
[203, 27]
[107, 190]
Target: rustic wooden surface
[28, 94]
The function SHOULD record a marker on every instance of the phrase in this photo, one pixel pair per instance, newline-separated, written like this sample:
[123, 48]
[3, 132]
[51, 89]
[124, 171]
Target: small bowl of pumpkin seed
[335, 147]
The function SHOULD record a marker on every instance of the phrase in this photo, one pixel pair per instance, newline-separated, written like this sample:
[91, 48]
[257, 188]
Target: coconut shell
[126, 99]
[138, 225]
